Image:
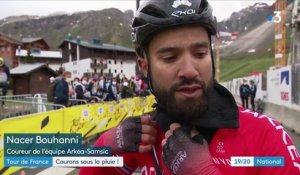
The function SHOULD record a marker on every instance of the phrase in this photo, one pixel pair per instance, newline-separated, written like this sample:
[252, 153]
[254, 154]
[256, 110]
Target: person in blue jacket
[244, 93]
[61, 92]
[112, 91]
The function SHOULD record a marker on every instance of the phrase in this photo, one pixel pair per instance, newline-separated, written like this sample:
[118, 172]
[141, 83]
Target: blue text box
[269, 161]
[28, 161]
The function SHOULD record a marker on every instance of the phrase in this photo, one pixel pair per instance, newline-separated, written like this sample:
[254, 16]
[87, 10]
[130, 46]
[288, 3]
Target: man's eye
[200, 54]
[169, 58]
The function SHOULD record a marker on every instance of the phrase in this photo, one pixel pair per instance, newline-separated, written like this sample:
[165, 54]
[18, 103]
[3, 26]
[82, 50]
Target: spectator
[4, 78]
[132, 83]
[90, 85]
[244, 93]
[126, 91]
[51, 89]
[252, 94]
[95, 84]
[112, 91]
[124, 79]
[84, 82]
[102, 88]
[146, 91]
[119, 80]
[138, 85]
[61, 92]
[75, 81]
[79, 90]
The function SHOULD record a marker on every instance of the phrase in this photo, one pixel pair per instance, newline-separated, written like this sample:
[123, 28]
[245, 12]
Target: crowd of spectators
[101, 88]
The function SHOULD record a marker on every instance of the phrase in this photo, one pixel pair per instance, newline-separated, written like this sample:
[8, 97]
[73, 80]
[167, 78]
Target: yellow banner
[88, 120]
[47, 122]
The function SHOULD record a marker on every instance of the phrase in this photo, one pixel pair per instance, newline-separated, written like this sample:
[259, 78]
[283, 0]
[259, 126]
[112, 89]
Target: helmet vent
[203, 6]
[138, 22]
[154, 11]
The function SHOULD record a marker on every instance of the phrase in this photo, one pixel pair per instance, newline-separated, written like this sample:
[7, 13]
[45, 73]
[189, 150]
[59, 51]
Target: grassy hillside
[243, 65]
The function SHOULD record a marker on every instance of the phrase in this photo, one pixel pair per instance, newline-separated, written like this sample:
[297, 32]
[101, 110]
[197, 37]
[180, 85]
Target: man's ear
[143, 65]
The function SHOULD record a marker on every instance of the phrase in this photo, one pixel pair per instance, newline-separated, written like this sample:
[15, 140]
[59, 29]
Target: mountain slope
[259, 40]
[112, 25]
[247, 18]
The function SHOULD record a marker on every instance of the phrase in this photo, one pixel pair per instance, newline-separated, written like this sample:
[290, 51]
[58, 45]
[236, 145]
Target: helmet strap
[212, 57]
[149, 79]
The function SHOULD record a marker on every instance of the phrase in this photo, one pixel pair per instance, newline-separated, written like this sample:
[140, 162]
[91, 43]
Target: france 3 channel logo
[276, 18]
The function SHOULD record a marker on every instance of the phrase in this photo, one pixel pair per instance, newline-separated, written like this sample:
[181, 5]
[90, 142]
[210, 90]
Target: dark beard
[188, 110]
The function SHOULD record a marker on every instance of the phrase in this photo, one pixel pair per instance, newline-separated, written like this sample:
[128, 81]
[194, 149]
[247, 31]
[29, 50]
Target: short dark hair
[67, 72]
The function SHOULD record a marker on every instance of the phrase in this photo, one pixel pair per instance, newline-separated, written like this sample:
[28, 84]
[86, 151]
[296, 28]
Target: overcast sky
[222, 8]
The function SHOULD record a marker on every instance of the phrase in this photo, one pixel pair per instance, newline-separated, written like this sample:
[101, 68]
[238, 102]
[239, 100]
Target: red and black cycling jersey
[257, 135]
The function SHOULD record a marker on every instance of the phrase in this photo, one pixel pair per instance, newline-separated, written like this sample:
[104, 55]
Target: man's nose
[187, 67]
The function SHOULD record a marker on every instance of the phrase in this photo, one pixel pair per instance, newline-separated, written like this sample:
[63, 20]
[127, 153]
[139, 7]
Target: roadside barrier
[86, 119]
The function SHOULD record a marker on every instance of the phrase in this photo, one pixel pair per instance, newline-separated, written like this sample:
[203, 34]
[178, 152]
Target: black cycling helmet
[156, 15]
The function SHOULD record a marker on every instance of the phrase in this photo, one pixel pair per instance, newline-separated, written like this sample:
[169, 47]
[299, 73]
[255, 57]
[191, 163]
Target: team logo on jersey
[178, 3]
[220, 147]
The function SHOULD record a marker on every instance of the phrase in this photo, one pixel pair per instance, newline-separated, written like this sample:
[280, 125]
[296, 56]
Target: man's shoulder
[252, 126]
[258, 130]
[267, 137]
[60, 83]
[251, 119]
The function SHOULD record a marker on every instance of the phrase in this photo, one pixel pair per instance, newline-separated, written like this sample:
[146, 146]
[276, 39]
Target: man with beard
[197, 126]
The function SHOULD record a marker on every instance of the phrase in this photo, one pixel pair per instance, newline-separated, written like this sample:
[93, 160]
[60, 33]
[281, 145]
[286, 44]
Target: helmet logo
[178, 3]
[183, 13]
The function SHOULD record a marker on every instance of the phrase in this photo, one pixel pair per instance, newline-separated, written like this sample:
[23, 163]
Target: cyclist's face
[181, 68]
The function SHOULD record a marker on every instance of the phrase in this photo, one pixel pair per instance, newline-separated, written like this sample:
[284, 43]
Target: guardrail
[18, 105]
[15, 108]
